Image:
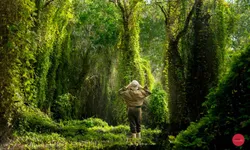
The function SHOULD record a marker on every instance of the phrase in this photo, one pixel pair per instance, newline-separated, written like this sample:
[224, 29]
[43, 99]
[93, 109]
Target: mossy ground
[75, 137]
[37, 131]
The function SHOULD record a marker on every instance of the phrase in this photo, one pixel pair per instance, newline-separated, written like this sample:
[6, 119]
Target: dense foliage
[62, 63]
[227, 111]
[157, 108]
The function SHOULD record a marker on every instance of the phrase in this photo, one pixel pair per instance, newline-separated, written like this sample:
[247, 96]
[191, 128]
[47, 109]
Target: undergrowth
[35, 130]
[227, 112]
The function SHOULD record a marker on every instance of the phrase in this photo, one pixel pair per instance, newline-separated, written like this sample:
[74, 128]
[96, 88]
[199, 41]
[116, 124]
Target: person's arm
[122, 90]
[142, 92]
[147, 90]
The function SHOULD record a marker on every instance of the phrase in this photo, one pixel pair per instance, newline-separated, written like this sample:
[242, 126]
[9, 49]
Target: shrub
[33, 120]
[62, 108]
[158, 111]
[227, 111]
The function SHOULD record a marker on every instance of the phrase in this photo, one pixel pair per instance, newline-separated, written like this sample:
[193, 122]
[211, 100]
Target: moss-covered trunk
[130, 60]
[176, 86]
[16, 60]
[205, 61]
[174, 67]
[131, 66]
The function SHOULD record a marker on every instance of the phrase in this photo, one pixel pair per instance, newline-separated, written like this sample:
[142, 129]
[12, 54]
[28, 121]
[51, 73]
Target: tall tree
[95, 37]
[193, 57]
[17, 52]
[174, 69]
[130, 63]
[206, 55]
[130, 67]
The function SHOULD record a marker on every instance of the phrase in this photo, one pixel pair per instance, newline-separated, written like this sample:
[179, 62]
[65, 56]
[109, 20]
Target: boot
[138, 135]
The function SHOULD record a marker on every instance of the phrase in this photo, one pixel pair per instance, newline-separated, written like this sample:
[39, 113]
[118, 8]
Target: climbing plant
[17, 58]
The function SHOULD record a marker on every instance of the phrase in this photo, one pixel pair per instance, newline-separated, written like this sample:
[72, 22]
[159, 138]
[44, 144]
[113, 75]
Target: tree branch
[164, 12]
[184, 30]
[132, 9]
[120, 6]
[125, 6]
[122, 10]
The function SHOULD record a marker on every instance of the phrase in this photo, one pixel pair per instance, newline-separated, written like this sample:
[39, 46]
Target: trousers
[134, 117]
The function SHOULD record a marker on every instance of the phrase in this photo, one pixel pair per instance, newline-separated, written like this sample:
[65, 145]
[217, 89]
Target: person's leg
[132, 122]
[138, 122]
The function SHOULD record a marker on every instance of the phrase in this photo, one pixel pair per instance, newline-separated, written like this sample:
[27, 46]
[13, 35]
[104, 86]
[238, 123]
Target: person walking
[134, 95]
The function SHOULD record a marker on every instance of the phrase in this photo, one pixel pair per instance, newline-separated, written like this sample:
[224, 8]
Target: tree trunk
[176, 85]
[203, 67]
[176, 74]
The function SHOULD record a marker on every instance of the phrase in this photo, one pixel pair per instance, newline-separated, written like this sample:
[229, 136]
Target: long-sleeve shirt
[134, 97]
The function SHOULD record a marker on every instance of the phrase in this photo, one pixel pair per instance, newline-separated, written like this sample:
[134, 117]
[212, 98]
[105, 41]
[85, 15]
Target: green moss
[37, 130]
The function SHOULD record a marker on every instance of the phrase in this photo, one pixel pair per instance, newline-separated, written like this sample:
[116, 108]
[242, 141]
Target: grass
[73, 138]
[36, 131]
